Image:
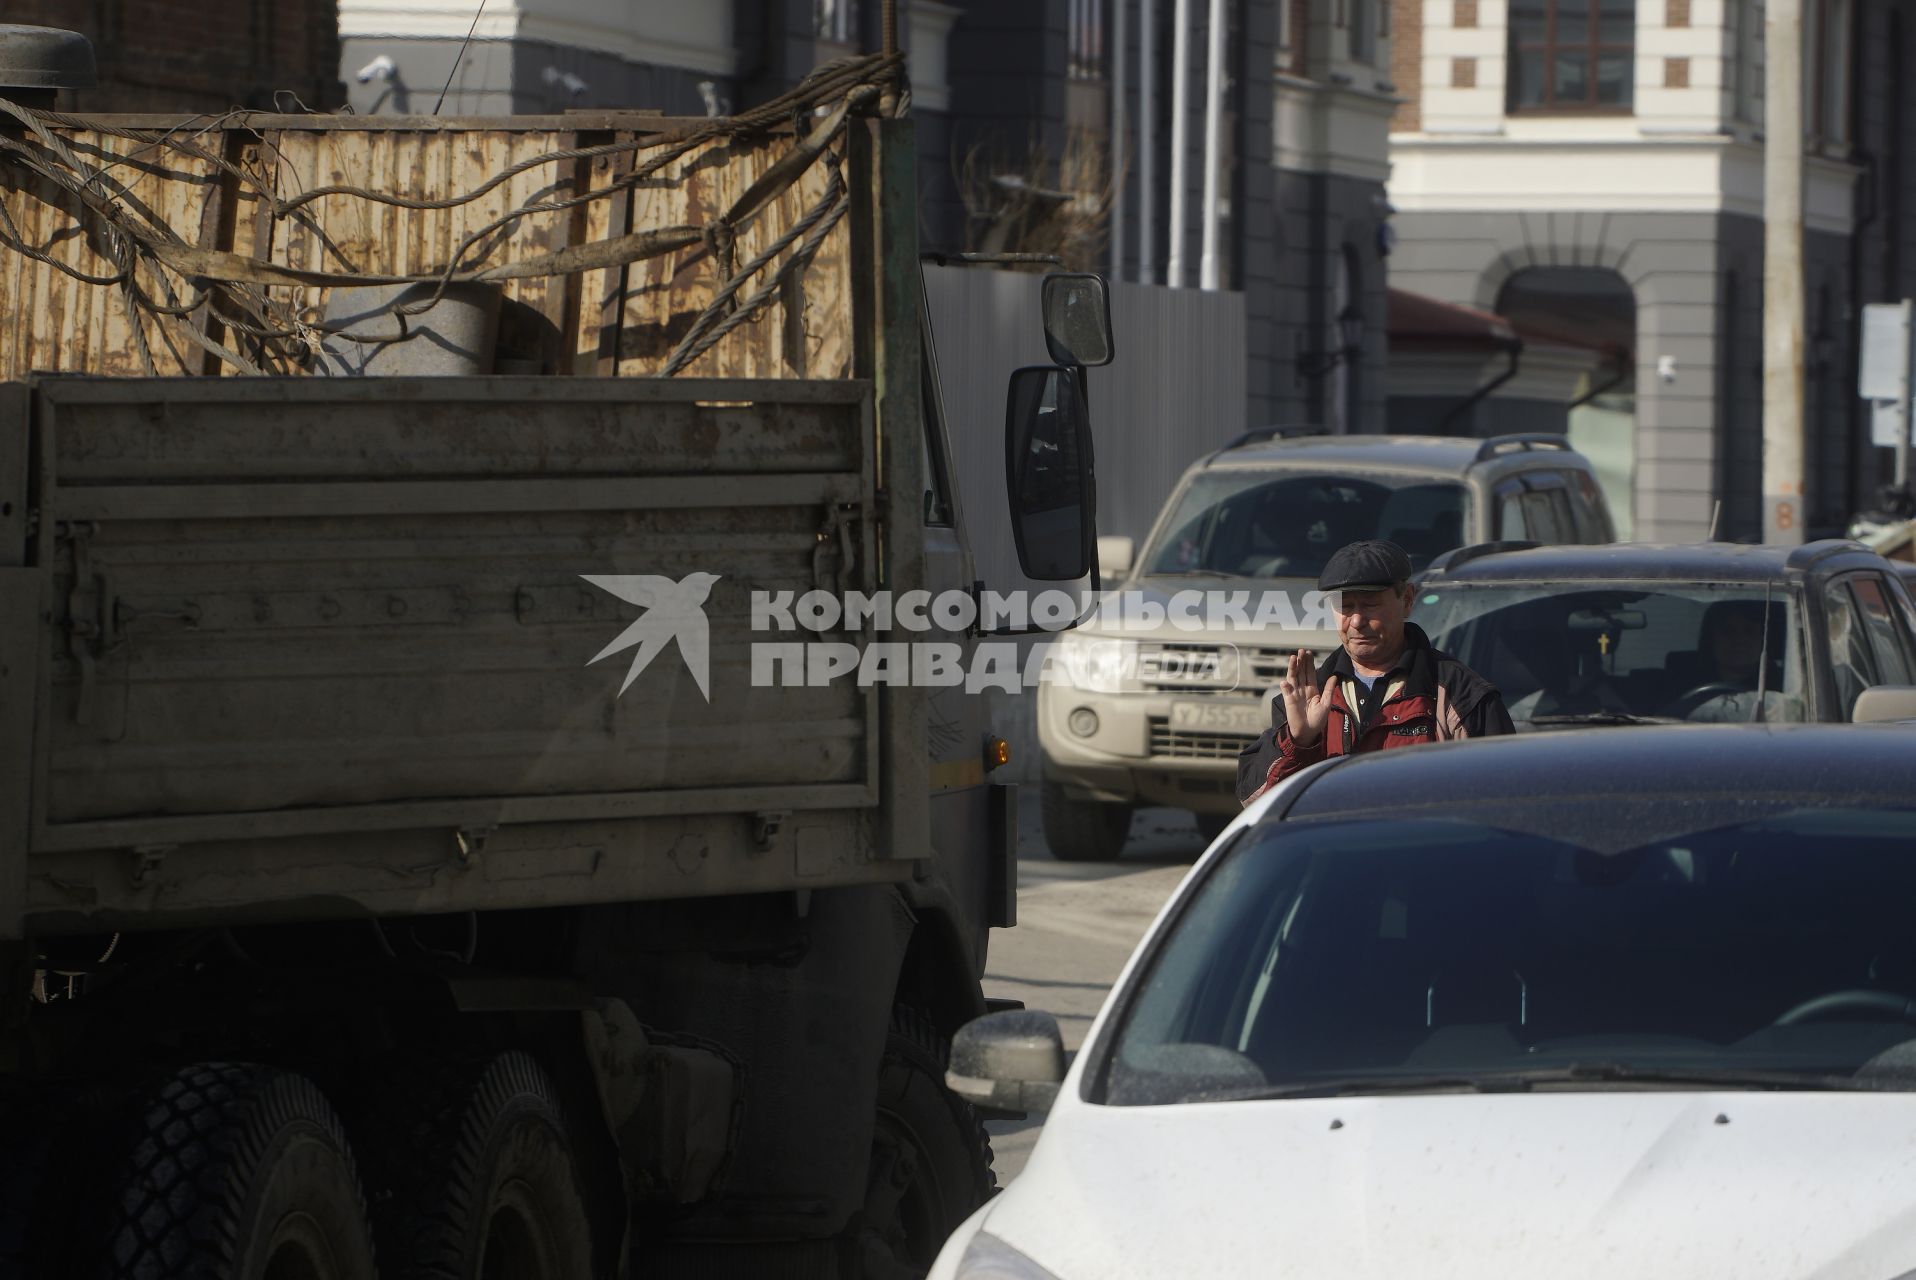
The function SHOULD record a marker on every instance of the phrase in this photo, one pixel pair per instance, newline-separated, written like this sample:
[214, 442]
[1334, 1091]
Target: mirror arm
[1097, 589]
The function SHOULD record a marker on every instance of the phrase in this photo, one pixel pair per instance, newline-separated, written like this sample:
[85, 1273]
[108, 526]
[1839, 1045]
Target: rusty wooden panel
[58, 323]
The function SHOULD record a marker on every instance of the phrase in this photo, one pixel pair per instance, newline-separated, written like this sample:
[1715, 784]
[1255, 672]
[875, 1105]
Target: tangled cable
[232, 289]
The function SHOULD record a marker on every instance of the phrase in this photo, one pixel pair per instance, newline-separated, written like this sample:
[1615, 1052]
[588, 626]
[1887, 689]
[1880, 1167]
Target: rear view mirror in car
[1077, 319]
[1591, 620]
[1048, 474]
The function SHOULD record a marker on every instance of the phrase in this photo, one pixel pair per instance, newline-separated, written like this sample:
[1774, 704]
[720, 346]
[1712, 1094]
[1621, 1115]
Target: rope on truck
[233, 288]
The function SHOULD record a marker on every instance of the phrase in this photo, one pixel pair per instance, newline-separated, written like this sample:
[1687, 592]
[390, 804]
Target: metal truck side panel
[292, 608]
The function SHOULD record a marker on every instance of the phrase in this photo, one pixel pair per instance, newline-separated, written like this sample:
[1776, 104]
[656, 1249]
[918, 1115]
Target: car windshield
[1572, 652]
[1495, 951]
[1257, 523]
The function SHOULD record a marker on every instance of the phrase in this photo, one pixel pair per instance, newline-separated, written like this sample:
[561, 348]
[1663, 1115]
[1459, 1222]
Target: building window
[1086, 40]
[835, 21]
[1747, 16]
[1363, 33]
[1833, 40]
[1572, 55]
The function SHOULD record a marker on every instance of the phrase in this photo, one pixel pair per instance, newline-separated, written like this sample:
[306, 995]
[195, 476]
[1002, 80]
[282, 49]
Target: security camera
[382, 68]
[565, 80]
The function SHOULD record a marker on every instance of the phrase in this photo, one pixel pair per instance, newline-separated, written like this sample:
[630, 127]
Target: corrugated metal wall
[1175, 392]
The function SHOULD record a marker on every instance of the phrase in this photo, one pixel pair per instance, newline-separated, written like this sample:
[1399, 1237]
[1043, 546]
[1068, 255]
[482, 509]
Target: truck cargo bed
[275, 611]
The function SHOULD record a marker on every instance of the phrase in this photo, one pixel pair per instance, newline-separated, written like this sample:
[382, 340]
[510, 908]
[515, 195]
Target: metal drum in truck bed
[278, 611]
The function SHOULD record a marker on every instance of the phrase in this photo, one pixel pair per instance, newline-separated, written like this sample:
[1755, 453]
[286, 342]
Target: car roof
[1452, 455]
[1644, 561]
[1824, 765]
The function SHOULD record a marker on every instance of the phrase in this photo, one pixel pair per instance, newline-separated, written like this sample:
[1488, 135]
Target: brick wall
[1407, 63]
[199, 55]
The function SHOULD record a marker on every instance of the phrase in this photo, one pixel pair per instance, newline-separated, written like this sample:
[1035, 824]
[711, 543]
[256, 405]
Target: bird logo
[673, 611]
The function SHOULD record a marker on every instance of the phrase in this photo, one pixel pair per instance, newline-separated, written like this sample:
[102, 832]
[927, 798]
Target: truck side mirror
[1077, 319]
[1048, 474]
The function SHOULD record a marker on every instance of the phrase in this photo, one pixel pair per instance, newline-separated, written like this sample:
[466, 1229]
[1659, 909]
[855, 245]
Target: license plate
[1247, 718]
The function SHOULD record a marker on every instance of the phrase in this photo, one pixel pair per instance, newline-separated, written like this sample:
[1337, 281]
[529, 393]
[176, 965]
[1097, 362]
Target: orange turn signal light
[997, 752]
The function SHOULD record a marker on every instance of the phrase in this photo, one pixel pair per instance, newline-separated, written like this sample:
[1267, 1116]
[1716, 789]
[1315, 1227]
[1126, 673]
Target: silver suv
[1156, 715]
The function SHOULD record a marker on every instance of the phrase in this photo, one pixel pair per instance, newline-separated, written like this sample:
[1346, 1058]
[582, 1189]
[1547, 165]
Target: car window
[1510, 522]
[1591, 510]
[1286, 524]
[1548, 511]
[1852, 665]
[1886, 640]
[1561, 652]
[1541, 938]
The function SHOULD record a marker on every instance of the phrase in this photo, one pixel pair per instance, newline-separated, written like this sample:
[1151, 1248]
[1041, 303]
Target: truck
[412, 866]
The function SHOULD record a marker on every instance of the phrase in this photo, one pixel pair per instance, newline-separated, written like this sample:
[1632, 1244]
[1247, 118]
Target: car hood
[1296, 625]
[1769, 1186]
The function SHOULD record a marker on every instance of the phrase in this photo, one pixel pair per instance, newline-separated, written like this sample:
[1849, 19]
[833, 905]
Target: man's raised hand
[1307, 708]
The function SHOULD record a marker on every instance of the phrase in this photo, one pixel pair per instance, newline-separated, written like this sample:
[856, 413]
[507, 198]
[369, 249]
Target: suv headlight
[989, 1258]
[1097, 664]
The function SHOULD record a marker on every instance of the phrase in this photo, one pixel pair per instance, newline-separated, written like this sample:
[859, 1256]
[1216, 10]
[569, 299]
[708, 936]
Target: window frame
[1592, 47]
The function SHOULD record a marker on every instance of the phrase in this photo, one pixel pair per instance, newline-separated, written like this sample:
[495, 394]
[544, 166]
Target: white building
[1596, 167]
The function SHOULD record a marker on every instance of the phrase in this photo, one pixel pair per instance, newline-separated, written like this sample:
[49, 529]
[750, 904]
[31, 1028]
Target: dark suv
[1634, 633]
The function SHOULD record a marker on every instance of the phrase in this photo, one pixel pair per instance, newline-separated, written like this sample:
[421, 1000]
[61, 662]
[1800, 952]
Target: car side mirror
[1012, 1060]
[1114, 555]
[1883, 704]
[1077, 319]
[1048, 474]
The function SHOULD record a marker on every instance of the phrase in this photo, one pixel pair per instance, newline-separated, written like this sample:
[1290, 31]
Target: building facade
[1043, 125]
[190, 56]
[1595, 167]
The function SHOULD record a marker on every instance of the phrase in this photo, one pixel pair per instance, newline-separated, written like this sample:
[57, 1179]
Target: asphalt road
[1077, 925]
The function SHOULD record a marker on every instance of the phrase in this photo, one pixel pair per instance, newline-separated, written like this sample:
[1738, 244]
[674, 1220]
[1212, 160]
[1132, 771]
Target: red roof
[1419, 322]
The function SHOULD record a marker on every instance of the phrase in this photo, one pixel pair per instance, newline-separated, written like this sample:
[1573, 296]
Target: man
[1386, 687]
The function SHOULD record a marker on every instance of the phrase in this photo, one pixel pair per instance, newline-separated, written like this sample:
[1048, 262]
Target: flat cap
[1372, 564]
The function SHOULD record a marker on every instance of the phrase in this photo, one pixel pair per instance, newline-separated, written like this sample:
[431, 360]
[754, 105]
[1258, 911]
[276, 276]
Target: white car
[1622, 1005]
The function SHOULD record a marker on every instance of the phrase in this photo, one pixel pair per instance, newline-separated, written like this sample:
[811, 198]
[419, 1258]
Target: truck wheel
[473, 1172]
[931, 1158]
[1083, 830]
[238, 1172]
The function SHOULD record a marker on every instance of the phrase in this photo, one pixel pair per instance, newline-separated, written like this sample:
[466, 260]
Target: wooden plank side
[67, 325]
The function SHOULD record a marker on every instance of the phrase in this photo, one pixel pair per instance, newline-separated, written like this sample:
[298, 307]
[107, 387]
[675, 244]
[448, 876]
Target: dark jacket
[1428, 696]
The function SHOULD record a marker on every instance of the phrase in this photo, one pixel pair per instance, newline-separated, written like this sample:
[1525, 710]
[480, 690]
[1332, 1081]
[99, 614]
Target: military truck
[355, 919]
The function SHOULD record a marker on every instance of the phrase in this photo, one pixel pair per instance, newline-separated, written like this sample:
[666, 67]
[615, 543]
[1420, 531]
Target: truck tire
[236, 1172]
[931, 1158]
[1083, 830]
[473, 1172]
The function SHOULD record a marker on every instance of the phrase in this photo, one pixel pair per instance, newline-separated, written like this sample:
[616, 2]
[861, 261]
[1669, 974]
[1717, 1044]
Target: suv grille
[1253, 668]
[1195, 744]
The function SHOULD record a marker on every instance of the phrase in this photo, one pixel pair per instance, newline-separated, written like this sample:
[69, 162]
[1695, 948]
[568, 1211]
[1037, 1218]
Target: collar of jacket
[1416, 663]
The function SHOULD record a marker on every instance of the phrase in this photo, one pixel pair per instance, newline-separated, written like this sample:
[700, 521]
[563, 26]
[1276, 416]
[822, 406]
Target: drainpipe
[1514, 349]
[1213, 146]
[1622, 371]
[1180, 105]
[1147, 141]
[1117, 182]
